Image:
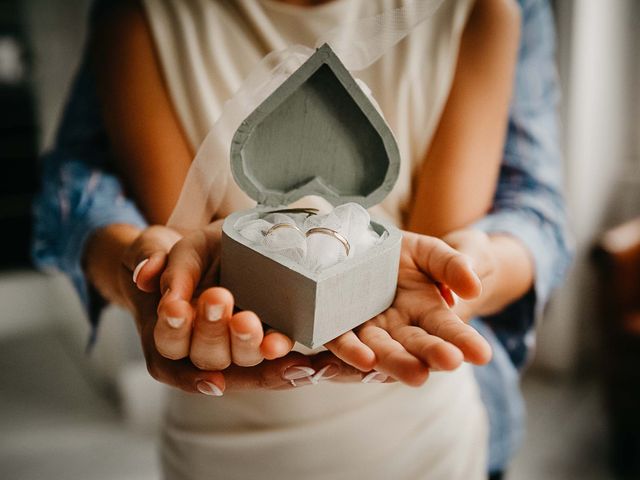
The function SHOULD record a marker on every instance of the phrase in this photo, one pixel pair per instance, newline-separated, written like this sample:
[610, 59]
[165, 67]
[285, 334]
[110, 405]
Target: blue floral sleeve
[79, 193]
[529, 203]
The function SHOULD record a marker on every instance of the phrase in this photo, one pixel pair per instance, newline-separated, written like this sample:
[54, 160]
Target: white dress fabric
[328, 431]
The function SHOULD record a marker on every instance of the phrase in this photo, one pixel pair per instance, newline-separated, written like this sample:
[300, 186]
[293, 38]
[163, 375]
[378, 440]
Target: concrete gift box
[316, 134]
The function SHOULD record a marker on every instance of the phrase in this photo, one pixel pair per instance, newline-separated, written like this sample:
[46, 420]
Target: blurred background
[66, 415]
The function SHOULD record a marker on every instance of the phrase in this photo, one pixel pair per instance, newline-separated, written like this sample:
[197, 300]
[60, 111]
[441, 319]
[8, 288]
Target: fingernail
[296, 372]
[326, 372]
[166, 294]
[375, 377]
[241, 336]
[136, 271]
[175, 322]
[208, 388]
[301, 382]
[455, 299]
[214, 312]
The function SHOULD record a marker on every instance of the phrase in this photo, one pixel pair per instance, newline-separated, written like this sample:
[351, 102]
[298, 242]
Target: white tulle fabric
[358, 45]
[316, 252]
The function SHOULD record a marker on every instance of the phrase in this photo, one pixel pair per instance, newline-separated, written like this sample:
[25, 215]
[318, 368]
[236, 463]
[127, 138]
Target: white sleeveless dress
[327, 431]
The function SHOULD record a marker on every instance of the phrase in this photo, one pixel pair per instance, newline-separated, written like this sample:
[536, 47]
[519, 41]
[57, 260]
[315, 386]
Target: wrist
[503, 264]
[102, 259]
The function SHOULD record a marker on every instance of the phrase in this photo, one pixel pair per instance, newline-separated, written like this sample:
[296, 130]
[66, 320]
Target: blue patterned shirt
[81, 193]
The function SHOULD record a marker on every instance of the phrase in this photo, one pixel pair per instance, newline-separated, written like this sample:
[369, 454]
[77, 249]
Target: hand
[198, 322]
[476, 245]
[419, 332]
[112, 255]
[296, 370]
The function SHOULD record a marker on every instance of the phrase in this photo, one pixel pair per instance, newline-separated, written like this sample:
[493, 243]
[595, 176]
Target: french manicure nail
[375, 377]
[136, 271]
[297, 372]
[301, 382]
[175, 322]
[214, 312]
[242, 336]
[455, 298]
[326, 372]
[209, 388]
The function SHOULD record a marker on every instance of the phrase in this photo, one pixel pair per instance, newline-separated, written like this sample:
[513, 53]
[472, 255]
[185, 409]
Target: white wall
[600, 75]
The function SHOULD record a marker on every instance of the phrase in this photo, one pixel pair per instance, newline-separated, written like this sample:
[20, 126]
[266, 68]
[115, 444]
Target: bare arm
[458, 179]
[457, 183]
[150, 149]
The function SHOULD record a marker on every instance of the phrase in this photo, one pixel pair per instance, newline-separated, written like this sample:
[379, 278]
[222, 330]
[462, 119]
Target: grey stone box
[317, 134]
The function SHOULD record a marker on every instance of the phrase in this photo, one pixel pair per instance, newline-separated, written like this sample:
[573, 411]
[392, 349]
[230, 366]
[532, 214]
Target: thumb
[189, 262]
[146, 257]
[443, 264]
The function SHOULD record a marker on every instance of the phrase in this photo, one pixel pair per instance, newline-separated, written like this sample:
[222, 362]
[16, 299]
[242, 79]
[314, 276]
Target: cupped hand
[197, 321]
[139, 283]
[419, 332]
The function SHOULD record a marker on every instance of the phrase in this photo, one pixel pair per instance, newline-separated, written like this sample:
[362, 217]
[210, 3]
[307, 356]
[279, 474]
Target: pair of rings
[316, 230]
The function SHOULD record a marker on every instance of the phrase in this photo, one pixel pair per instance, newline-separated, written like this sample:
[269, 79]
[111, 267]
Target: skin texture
[420, 332]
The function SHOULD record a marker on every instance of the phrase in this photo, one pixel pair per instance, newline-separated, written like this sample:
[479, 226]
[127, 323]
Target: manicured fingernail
[214, 312]
[296, 372]
[375, 377]
[209, 388]
[136, 271]
[175, 322]
[326, 372]
[301, 382]
[455, 299]
[167, 294]
[241, 336]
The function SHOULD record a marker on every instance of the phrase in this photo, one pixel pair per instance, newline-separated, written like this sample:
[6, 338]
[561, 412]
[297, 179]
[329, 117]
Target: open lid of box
[316, 134]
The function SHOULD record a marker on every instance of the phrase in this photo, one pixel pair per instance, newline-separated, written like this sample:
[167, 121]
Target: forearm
[457, 181]
[102, 259]
[507, 271]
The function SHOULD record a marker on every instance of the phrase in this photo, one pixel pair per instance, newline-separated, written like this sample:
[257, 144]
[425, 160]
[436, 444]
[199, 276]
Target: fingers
[329, 367]
[246, 336]
[296, 370]
[443, 323]
[146, 257]
[392, 358]
[185, 266]
[183, 374]
[476, 245]
[443, 264]
[350, 349]
[146, 275]
[275, 345]
[190, 259]
[172, 331]
[210, 344]
[293, 370]
[436, 353]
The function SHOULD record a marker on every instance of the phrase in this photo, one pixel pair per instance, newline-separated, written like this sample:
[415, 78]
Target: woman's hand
[198, 322]
[112, 255]
[420, 332]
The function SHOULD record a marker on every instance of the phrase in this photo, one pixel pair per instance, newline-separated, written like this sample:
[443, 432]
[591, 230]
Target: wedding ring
[278, 226]
[308, 210]
[331, 233]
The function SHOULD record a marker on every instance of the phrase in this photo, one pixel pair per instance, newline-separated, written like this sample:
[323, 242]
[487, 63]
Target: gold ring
[331, 233]
[277, 226]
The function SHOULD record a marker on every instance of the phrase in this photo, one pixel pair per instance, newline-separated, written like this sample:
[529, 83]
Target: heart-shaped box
[316, 134]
